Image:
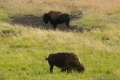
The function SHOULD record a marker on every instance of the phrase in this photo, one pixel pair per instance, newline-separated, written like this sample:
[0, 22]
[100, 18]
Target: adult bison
[55, 18]
[66, 61]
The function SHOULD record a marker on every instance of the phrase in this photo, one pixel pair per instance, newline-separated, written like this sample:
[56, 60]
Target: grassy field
[23, 48]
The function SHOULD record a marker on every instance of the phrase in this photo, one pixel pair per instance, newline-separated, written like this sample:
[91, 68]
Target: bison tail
[46, 58]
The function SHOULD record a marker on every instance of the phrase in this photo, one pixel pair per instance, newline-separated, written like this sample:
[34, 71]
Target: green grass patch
[23, 55]
[3, 15]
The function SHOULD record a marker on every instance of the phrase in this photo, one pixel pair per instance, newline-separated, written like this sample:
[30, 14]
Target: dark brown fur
[66, 61]
[56, 18]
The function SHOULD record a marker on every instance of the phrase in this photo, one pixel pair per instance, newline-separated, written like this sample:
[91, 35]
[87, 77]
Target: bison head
[80, 68]
[46, 18]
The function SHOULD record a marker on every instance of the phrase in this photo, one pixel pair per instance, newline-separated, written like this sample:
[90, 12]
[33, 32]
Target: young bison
[66, 61]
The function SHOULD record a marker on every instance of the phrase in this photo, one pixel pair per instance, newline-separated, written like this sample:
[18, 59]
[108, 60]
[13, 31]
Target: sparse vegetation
[23, 48]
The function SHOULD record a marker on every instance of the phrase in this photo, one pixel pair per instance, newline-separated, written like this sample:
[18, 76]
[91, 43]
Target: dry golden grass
[41, 6]
[105, 40]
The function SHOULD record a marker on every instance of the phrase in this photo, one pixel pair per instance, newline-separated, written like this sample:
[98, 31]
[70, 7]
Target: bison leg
[54, 26]
[63, 70]
[69, 70]
[67, 24]
[66, 69]
[51, 68]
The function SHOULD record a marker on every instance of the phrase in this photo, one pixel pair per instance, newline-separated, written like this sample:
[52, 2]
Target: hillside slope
[23, 48]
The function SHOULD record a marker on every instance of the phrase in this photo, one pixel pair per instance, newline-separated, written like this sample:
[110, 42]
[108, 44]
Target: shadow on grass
[27, 20]
[37, 22]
